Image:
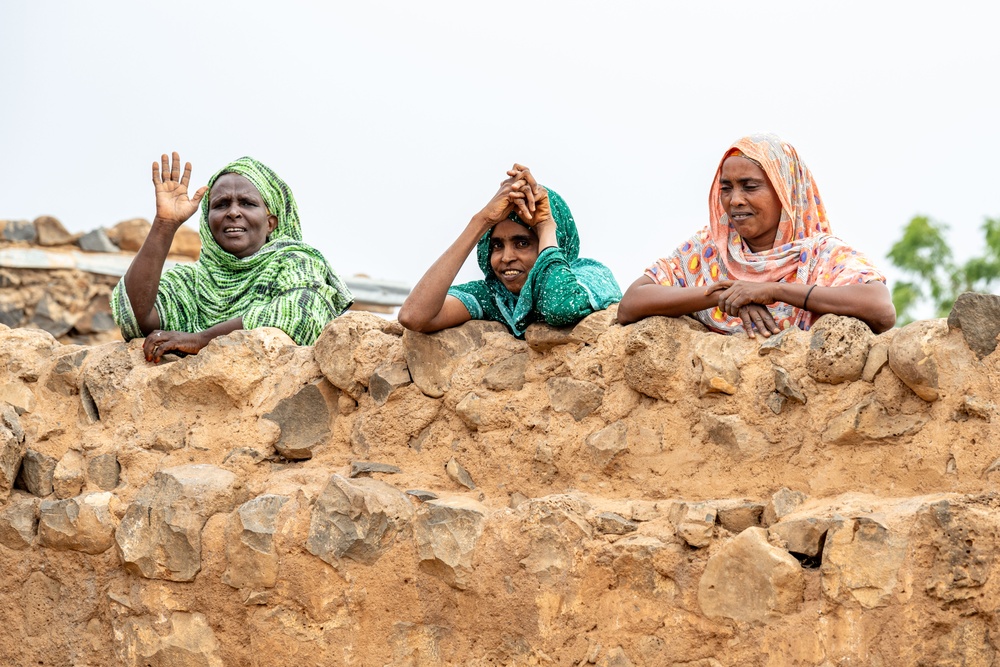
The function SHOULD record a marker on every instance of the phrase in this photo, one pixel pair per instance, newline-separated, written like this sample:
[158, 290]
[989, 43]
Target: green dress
[561, 288]
[286, 284]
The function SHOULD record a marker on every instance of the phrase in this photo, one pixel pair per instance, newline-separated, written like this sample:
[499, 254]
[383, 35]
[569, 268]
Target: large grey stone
[304, 420]
[160, 535]
[577, 397]
[738, 515]
[82, 524]
[51, 316]
[251, 557]
[977, 316]
[612, 523]
[12, 448]
[103, 471]
[750, 580]
[97, 241]
[19, 522]
[357, 519]
[913, 358]
[838, 349]
[386, 379]
[20, 230]
[36, 473]
[433, 358]
[446, 533]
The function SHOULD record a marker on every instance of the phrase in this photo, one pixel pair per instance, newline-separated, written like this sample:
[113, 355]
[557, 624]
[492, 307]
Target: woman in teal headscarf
[528, 247]
[254, 270]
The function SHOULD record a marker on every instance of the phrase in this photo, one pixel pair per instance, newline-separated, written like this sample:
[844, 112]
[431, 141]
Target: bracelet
[806, 300]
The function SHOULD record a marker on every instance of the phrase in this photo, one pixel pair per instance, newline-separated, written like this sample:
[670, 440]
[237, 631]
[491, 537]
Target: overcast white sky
[393, 122]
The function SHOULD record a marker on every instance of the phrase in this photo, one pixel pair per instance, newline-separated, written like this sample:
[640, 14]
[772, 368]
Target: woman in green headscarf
[254, 270]
[528, 247]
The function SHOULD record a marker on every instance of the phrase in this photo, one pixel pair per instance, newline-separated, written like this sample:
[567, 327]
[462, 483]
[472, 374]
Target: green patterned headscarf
[286, 284]
[561, 288]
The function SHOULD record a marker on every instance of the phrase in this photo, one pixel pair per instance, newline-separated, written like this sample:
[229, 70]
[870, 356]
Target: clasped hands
[748, 301]
[519, 193]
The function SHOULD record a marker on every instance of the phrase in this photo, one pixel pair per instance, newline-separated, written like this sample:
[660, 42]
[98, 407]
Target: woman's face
[750, 201]
[513, 251]
[237, 216]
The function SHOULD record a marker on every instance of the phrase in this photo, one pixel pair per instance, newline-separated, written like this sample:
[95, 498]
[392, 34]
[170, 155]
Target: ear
[272, 223]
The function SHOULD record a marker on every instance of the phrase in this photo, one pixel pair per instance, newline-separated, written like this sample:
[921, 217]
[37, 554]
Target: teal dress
[561, 288]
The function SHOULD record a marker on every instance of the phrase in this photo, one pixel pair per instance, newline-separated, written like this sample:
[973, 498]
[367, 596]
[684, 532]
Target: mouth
[510, 275]
[740, 216]
[233, 230]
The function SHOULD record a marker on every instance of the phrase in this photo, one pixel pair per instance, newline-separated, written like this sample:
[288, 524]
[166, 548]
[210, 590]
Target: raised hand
[173, 206]
[531, 199]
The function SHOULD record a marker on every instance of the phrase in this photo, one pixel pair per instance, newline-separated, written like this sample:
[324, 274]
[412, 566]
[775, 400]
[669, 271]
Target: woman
[767, 260]
[527, 246]
[254, 270]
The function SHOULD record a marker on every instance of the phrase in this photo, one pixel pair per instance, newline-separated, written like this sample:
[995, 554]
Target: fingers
[518, 200]
[175, 169]
[746, 317]
[156, 345]
[186, 178]
[199, 194]
[720, 286]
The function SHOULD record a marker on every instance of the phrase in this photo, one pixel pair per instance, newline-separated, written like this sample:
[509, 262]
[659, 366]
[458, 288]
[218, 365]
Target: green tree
[934, 277]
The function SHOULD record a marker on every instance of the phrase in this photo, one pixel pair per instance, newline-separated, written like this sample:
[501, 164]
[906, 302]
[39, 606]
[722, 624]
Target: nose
[234, 211]
[506, 253]
[737, 197]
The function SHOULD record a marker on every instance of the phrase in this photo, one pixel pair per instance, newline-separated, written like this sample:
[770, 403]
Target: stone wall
[643, 495]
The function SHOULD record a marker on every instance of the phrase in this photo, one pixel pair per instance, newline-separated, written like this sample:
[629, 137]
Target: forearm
[869, 302]
[427, 299]
[644, 298]
[142, 280]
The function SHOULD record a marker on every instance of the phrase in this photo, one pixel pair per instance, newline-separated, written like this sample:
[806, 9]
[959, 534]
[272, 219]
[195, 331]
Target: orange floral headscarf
[804, 250]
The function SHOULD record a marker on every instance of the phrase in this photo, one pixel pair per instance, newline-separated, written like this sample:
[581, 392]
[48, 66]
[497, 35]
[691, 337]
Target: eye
[726, 188]
[523, 243]
[495, 245]
[247, 202]
[220, 203]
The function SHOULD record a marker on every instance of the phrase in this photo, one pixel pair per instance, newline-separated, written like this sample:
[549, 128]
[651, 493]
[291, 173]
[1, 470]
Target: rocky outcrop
[606, 495]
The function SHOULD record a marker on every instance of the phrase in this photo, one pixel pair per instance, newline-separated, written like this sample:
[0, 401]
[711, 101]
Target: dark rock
[357, 519]
[611, 523]
[20, 230]
[421, 495]
[12, 448]
[97, 241]
[737, 517]
[386, 379]
[304, 420]
[786, 386]
[11, 316]
[368, 467]
[52, 317]
[36, 473]
[64, 378]
[977, 316]
[19, 522]
[103, 471]
[83, 523]
[433, 358]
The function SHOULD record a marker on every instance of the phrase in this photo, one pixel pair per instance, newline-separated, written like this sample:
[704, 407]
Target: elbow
[626, 311]
[884, 320]
[407, 318]
[412, 321]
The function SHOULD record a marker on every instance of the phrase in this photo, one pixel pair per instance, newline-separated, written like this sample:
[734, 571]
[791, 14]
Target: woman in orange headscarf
[767, 259]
